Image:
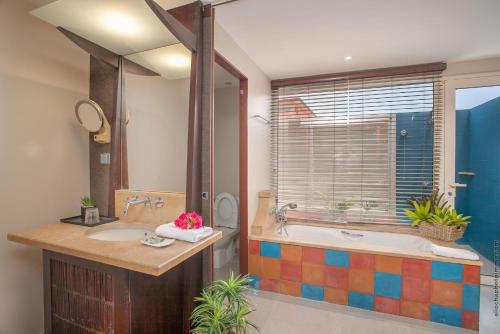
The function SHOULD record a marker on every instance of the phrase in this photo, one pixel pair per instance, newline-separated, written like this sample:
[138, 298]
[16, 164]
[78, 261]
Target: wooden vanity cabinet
[83, 296]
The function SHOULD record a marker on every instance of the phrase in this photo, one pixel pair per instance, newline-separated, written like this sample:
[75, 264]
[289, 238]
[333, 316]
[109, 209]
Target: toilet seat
[226, 211]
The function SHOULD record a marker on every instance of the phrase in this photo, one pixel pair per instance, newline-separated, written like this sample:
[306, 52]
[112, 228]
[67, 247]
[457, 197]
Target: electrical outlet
[105, 158]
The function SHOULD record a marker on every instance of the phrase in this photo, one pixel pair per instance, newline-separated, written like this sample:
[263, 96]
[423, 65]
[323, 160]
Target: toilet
[226, 219]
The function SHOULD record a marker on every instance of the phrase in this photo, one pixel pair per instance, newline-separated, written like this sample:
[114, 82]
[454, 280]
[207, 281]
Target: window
[356, 149]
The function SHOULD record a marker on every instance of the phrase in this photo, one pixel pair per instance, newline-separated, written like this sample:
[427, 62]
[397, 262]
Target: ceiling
[289, 38]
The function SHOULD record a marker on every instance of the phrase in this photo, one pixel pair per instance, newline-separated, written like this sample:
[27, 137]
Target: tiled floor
[278, 314]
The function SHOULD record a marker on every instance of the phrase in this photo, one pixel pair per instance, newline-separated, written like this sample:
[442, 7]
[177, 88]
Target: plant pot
[83, 210]
[441, 232]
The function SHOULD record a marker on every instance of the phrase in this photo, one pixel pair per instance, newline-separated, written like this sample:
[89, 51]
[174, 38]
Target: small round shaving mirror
[89, 115]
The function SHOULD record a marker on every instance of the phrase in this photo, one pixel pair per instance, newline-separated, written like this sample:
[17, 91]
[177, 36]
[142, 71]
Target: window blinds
[356, 149]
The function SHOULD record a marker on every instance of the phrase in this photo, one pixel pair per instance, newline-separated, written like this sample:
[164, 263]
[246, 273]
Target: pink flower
[188, 221]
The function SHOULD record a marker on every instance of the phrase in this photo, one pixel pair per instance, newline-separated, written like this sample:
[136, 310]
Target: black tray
[78, 220]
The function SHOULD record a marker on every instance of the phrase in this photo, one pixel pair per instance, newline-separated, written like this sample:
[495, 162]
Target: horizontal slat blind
[356, 150]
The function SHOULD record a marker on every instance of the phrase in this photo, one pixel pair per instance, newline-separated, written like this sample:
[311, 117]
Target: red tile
[446, 293]
[291, 271]
[269, 284]
[313, 255]
[254, 247]
[337, 277]
[362, 261]
[470, 320]
[417, 268]
[387, 305]
[416, 289]
[472, 274]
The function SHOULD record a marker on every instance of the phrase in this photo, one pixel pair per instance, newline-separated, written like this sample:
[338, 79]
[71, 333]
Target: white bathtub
[345, 238]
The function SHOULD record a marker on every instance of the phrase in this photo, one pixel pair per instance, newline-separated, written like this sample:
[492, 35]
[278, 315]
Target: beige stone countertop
[272, 236]
[72, 240]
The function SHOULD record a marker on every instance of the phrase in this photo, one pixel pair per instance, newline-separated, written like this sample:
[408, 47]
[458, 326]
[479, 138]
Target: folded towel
[454, 252]
[173, 232]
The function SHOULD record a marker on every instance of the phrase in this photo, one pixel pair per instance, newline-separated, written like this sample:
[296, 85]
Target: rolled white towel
[173, 232]
[454, 252]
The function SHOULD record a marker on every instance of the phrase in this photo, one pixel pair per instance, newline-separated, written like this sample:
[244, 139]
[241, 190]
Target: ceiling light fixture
[119, 23]
[178, 60]
[347, 58]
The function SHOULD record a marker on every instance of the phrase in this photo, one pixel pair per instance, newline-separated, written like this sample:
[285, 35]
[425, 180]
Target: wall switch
[105, 158]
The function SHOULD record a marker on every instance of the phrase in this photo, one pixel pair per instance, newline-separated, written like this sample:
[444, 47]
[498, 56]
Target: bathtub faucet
[280, 215]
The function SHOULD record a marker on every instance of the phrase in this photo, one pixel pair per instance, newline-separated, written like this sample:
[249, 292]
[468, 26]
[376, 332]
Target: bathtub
[384, 272]
[348, 238]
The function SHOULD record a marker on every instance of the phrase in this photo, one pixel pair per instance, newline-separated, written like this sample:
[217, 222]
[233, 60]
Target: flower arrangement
[188, 221]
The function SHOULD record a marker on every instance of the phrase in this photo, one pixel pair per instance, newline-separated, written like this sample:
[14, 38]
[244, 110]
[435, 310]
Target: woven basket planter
[441, 232]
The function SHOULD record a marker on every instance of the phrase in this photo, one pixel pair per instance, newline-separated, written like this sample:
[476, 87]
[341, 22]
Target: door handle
[458, 185]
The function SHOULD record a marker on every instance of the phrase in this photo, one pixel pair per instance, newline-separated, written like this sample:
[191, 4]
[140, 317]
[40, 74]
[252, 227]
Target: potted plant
[223, 308]
[87, 203]
[435, 219]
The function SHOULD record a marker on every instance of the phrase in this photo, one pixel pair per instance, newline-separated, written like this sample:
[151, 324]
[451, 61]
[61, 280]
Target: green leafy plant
[449, 218]
[435, 199]
[223, 308]
[422, 212]
[88, 202]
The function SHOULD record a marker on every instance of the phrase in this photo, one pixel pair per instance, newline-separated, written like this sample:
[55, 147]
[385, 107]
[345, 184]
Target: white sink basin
[119, 232]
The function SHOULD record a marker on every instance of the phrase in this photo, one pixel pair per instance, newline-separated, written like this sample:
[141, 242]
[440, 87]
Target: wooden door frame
[243, 156]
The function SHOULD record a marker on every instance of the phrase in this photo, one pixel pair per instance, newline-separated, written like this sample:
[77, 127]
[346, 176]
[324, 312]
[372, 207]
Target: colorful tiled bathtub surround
[429, 290]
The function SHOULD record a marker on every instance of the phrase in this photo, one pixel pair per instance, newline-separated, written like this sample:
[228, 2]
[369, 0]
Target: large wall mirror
[157, 114]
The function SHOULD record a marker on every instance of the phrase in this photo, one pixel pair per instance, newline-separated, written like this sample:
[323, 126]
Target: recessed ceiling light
[119, 23]
[347, 58]
[178, 60]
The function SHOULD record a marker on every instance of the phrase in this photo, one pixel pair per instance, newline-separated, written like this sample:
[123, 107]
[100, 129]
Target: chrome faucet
[135, 200]
[280, 215]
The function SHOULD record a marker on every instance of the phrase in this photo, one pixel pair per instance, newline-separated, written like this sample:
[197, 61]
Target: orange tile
[336, 296]
[387, 305]
[416, 310]
[255, 265]
[471, 274]
[313, 255]
[290, 288]
[388, 264]
[291, 271]
[291, 253]
[417, 268]
[446, 293]
[362, 261]
[313, 273]
[254, 247]
[361, 280]
[269, 284]
[270, 268]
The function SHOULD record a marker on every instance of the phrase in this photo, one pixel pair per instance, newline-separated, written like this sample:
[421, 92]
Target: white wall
[157, 133]
[259, 95]
[227, 140]
[44, 166]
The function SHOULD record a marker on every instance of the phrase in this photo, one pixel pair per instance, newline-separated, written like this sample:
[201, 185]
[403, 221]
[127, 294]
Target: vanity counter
[132, 255]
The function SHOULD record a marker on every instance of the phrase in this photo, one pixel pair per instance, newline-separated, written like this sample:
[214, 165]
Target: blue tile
[312, 291]
[447, 271]
[470, 297]
[446, 315]
[360, 300]
[388, 285]
[270, 249]
[254, 281]
[336, 258]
